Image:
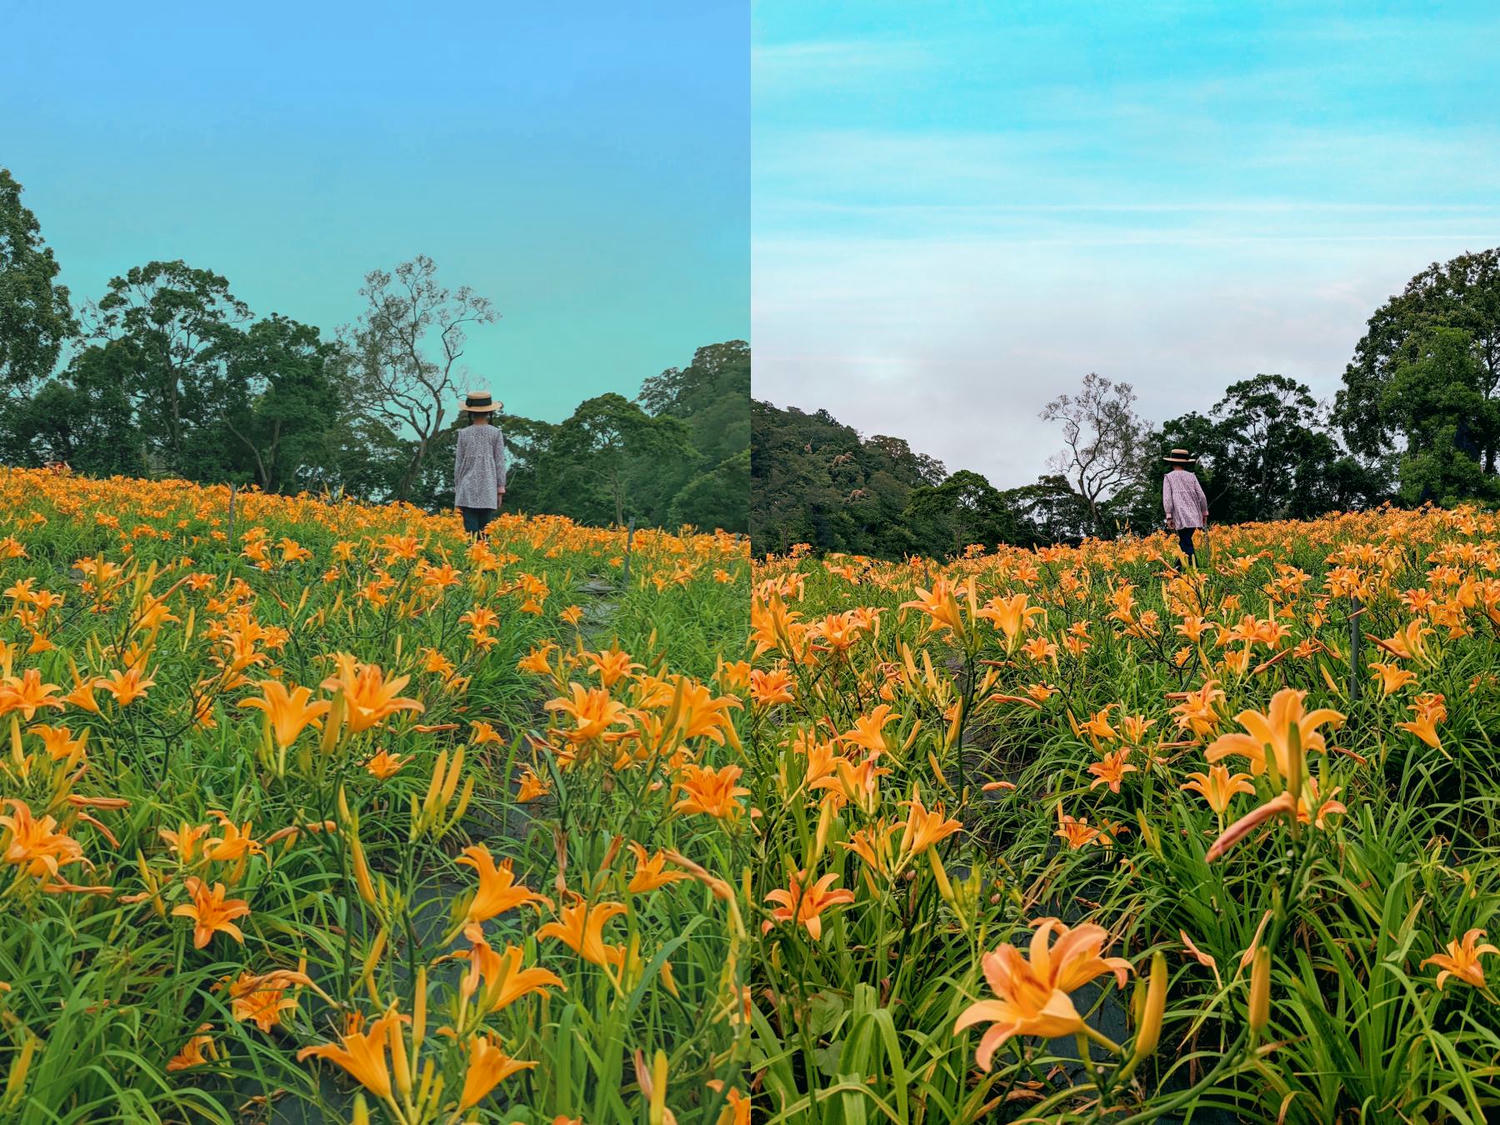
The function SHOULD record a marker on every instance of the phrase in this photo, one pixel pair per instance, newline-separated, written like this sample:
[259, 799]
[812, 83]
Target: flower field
[1075, 835]
[316, 812]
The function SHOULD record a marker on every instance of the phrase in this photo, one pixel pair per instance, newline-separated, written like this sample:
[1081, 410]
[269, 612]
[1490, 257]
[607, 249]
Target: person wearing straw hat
[479, 463]
[1183, 499]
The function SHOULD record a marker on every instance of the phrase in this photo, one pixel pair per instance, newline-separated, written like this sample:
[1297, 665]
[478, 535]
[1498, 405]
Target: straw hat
[479, 402]
[1179, 457]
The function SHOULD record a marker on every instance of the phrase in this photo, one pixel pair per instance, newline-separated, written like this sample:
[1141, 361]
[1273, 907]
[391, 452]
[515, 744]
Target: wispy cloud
[955, 217]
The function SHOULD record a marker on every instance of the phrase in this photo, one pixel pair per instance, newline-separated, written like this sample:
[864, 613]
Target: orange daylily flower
[1196, 713]
[127, 686]
[59, 741]
[363, 1054]
[384, 765]
[770, 688]
[1218, 787]
[184, 841]
[804, 904]
[1461, 960]
[27, 694]
[498, 890]
[593, 711]
[211, 912]
[288, 712]
[531, 787]
[236, 843]
[710, 791]
[488, 1067]
[499, 979]
[1392, 677]
[580, 926]
[1111, 770]
[1429, 710]
[369, 698]
[537, 660]
[940, 604]
[1032, 992]
[36, 845]
[261, 998]
[650, 871]
[1075, 830]
[1272, 730]
[197, 1051]
[1012, 616]
[612, 666]
[868, 731]
[924, 828]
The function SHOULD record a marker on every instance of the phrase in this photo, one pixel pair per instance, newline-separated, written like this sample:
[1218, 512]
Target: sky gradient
[583, 165]
[958, 210]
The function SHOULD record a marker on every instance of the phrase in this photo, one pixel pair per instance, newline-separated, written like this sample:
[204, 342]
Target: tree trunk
[413, 467]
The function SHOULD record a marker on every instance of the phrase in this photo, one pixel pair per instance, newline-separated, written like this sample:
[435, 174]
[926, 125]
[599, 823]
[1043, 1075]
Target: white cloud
[956, 346]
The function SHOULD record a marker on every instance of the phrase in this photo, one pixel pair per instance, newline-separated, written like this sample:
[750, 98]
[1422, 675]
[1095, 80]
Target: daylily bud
[419, 1011]
[377, 949]
[945, 888]
[658, 1109]
[362, 880]
[333, 724]
[1260, 990]
[1148, 1034]
[400, 1064]
[826, 819]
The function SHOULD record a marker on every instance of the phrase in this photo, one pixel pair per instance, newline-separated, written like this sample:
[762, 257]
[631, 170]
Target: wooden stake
[629, 538]
[1354, 649]
[232, 489]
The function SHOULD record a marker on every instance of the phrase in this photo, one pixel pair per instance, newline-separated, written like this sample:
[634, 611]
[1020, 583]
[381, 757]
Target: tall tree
[406, 345]
[711, 395]
[176, 326]
[85, 417]
[35, 314]
[594, 450]
[283, 372]
[1439, 401]
[964, 509]
[1102, 438]
[1463, 294]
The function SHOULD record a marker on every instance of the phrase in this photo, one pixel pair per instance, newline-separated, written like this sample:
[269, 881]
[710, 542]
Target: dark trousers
[476, 519]
[1185, 541]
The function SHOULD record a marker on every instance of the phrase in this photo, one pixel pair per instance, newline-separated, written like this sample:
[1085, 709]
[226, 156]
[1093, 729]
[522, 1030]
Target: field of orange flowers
[1077, 835]
[315, 811]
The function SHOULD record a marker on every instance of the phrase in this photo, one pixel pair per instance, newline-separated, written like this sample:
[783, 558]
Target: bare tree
[405, 346]
[1104, 437]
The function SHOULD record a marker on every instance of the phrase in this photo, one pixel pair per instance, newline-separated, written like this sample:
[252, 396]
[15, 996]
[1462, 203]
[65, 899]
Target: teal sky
[584, 165]
[958, 210]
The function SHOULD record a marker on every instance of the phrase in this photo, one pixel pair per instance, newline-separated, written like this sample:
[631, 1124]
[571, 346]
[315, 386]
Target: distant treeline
[1417, 420]
[169, 373]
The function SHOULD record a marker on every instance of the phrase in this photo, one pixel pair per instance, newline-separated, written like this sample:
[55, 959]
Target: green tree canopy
[1439, 400]
[176, 327]
[1462, 294]
[35, 314]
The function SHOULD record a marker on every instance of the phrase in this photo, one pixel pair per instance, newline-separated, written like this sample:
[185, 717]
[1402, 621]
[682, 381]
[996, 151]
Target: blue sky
[584, 165]
[958, 210]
